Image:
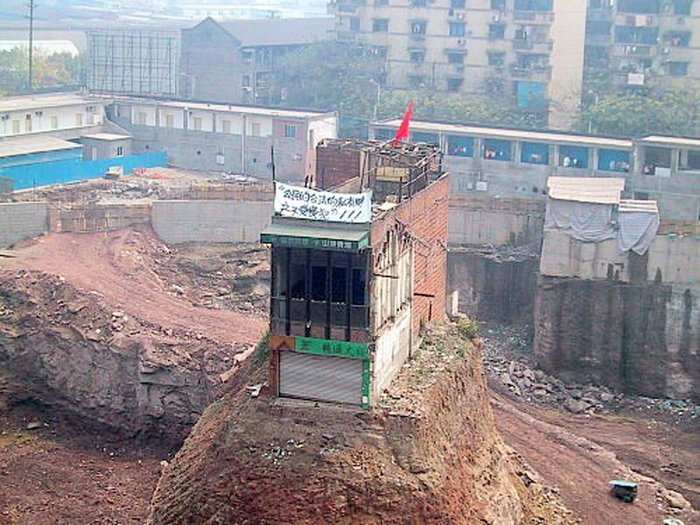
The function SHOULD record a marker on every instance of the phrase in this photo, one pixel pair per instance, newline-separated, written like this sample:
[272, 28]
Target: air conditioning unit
[496, 18]
[666, 50]
[460, 16]
[90, 109]
[461, 42]
[220, 159]
[5, 117]
[482, 185]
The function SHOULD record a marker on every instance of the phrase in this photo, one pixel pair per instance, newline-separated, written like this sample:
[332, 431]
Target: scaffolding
[133, 62]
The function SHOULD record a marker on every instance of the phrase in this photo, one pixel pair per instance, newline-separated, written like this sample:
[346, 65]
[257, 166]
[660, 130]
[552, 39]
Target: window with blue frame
[530, 95]
[573, 157]
[534, 153]
[460, 146]
[384, 134]
[497, 149]
[614, 160]
[428, 138]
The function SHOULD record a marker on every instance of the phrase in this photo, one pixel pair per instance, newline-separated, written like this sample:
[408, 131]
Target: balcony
[603, 14]
[346, 36]
[544, 46]
[534, 17]
[634, 50]
[538, 73]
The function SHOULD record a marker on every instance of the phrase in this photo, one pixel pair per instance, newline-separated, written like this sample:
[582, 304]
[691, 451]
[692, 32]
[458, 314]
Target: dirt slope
[121, 267]
[430, 454]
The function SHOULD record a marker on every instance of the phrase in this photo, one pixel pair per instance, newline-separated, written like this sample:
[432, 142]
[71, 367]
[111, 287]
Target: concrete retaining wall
[22, 220]
[210, 221]
[479, 221]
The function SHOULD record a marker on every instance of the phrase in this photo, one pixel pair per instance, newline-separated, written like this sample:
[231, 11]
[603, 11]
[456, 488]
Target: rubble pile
[509, 364]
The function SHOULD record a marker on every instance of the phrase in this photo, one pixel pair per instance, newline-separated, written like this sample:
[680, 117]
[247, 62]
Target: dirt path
[562, 449]
[119, 266]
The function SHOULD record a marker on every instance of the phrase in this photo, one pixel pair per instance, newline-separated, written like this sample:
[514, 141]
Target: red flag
[402, 132]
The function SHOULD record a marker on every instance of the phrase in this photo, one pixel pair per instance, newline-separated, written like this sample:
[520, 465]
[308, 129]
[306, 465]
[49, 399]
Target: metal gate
[321, 378]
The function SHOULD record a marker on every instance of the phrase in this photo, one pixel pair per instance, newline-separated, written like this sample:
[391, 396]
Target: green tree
[460, 108]
[674, 111]
[50, 70]
[346, 77]
[331, 76]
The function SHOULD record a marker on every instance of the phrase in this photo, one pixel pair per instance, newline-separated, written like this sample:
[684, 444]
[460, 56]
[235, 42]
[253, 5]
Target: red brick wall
[335, 166]
[425, 216]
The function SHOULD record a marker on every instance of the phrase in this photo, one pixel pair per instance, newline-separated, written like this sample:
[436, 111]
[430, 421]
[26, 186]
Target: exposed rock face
[494, 284]
[69, 348]
[637, 338]
[429, 454]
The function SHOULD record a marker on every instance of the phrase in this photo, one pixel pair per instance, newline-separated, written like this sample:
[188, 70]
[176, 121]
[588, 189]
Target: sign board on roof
[307, 203]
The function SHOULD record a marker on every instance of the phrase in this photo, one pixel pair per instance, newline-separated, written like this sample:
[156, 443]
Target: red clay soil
[580, 455]
[120, 266]
[65, 472]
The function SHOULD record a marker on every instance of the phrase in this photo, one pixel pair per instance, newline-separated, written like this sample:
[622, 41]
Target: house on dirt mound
[358, 267]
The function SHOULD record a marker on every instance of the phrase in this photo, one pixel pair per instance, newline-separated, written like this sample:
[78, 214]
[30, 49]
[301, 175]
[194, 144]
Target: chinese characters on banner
[306, 203]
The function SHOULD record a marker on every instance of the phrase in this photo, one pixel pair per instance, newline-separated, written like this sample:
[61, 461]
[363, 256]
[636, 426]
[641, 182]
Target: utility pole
[30, 82]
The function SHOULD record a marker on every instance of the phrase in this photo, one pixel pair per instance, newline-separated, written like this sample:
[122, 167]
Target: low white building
[63, 115]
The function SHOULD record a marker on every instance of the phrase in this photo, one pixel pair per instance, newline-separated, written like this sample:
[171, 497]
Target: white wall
[325, 128]
[564, 256]
[150, 115]
[41, 119]
[391, 351]
[177, 114]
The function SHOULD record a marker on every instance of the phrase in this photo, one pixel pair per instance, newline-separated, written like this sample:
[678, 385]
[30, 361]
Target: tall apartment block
[528, 50]
[643, 43]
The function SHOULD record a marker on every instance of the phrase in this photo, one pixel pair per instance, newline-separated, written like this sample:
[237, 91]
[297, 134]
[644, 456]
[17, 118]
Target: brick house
[357, 269]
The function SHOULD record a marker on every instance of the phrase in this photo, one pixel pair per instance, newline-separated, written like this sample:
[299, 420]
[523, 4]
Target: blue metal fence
[73, 170]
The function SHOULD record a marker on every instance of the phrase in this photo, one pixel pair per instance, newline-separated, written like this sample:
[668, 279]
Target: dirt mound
[267, 460]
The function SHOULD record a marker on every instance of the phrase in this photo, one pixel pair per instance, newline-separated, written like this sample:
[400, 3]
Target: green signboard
[311, 345]
[291, 241]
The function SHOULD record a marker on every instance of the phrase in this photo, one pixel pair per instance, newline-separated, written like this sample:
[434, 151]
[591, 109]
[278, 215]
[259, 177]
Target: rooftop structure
[357, 269]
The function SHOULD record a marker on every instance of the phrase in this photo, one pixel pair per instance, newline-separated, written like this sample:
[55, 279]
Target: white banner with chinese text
[307, 203]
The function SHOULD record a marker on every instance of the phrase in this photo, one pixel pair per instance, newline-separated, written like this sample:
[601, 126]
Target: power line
[30, 83]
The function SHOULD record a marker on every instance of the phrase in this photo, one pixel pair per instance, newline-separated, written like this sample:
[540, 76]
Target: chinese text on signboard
[306, 203]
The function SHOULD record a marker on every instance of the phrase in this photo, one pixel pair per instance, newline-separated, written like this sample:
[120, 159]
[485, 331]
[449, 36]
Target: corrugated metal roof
[513, 134]
[598, 190]
[671, 141]
[36, 144]
[628, 205]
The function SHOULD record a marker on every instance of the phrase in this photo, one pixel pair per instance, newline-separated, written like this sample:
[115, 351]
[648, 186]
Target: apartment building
[643, 43]
[530, 51]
